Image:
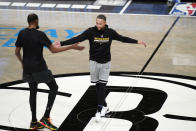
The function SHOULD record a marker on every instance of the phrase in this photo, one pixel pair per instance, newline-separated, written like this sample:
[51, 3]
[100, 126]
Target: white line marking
[5, 3]
[63, 6]
[33, 4]
[77, 12]
[110, 2]
[18, 4]
[78, 6]
[93, 7]
[174, 6]
[125, 7]
[48, 5]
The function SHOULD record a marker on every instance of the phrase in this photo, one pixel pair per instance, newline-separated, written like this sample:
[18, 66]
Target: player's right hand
[77, 47]
[57, 44]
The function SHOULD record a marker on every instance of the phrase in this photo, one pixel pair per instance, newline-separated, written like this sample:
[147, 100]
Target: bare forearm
[19, 57]
[18, 54]
[60, 49]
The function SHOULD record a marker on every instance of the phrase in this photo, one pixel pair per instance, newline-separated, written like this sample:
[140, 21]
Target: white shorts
[99, 72]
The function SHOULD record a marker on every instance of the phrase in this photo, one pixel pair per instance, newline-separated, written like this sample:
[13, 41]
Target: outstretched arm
[121, 38]
[55, 49]
[125, 39]
[76, 39]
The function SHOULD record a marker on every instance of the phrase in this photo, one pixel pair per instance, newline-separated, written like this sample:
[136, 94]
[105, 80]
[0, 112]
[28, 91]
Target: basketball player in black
[35, 69]
[100, 38]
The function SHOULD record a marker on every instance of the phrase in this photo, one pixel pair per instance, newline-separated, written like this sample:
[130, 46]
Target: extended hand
[142, 43]
[57, 44]
[77, 47]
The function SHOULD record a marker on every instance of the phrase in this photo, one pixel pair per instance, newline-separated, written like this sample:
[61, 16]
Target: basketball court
[152, 88]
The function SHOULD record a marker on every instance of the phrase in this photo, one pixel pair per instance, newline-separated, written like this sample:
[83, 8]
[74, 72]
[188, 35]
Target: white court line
[93, 7]
[18, 4]
[78, 6]
[33, 4]
[110, 2]
[63, 5]
[75, 12]
[48, 5]
[5, 3]
[125, 7]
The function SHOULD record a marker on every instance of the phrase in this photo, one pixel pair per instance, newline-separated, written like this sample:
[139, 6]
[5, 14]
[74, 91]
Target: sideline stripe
[125, 7]
[78, 6]
[18, 4]
[5, 3]
[33, 4]
[93, 7]
[45, 5]
[63, 5]
[78, 12]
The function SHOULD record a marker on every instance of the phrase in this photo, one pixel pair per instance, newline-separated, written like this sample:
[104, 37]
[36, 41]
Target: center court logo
[153, 102]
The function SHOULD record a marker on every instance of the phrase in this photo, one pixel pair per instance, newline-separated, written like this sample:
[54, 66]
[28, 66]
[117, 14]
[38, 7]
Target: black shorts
[38, 77]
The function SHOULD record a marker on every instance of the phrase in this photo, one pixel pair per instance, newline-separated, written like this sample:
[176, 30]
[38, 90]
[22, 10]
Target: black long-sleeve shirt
[100, 42]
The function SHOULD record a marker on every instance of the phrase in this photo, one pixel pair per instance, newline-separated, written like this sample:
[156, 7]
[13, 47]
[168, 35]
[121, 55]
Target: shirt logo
[101, 40]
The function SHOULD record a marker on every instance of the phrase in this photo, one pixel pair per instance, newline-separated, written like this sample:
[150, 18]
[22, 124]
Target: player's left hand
[57, 44]
[142, 43]
[77, 47]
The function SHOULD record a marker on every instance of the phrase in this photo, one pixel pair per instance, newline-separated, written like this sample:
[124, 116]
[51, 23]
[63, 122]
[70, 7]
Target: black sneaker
[35, 125]
[46, 122]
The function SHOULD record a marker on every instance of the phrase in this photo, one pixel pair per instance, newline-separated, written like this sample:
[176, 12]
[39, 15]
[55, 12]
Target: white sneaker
[97, 116]
[104, 111]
